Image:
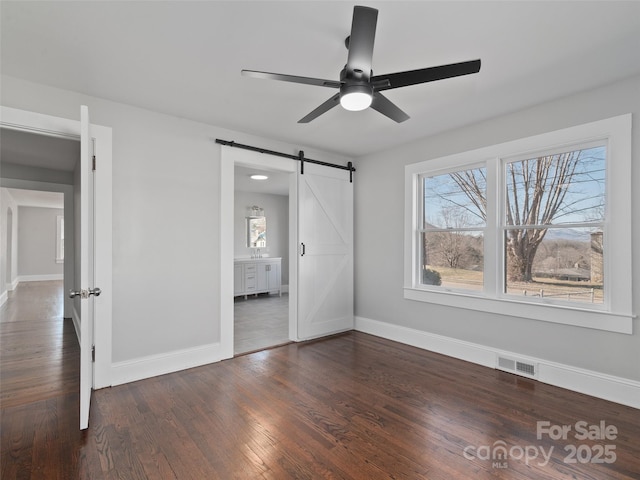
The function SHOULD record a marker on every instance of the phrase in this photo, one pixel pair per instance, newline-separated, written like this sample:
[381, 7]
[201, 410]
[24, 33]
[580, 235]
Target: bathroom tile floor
[260, 322]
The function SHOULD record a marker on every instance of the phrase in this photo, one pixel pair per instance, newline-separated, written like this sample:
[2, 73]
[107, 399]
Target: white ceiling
[276, 184]
[184, 59]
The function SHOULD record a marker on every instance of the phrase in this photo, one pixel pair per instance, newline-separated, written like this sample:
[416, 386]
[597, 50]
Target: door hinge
[93, 353]
[93, 165]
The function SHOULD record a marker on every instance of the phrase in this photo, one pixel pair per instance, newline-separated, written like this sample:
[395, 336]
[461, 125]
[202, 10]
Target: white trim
[4, 296]
[570, 315]
[60, 238]
[103, 256]
[600, 385]
[40, 278]
[161, 364]
[229, 158]
[13, 285]
[76, 322]
[227, 180]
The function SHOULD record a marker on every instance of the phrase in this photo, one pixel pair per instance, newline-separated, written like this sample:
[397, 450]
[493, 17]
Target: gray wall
[379, 203]
[166, 226]
[276, 209]
[37, 228]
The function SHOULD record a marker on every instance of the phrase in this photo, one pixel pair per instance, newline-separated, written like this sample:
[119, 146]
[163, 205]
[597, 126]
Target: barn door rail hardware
[300, 157]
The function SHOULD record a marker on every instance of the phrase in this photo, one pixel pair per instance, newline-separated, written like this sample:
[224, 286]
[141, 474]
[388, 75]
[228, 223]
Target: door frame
[229, 158]
[42, 124]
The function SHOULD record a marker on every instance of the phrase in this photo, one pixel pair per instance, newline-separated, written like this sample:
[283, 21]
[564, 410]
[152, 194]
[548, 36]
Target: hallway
[40, 351]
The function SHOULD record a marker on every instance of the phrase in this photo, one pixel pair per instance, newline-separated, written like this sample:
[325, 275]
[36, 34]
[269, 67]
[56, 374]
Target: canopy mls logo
[499, 453]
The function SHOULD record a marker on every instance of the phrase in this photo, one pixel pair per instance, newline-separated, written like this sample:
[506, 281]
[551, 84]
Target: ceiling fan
[359, 88]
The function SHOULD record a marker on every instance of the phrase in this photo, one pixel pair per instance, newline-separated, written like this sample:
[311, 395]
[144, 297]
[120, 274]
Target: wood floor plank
[352, 406]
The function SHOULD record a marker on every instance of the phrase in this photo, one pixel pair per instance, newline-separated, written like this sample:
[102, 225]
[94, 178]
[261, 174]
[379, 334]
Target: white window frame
[615, 314]
[59, 238]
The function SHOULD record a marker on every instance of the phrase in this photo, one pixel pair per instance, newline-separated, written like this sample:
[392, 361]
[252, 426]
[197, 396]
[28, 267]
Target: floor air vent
[526, 369]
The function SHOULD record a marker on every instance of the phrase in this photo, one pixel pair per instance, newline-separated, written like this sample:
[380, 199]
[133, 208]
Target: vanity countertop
[255, 260]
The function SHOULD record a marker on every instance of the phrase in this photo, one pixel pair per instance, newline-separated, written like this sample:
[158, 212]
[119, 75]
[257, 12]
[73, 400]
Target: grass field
[572, 291]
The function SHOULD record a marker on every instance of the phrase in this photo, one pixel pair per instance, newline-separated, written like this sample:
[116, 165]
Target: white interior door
[325, 266]
[97, 374]
[85, 291]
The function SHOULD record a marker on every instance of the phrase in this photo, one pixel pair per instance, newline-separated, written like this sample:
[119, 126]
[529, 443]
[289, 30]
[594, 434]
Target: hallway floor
[39, 351]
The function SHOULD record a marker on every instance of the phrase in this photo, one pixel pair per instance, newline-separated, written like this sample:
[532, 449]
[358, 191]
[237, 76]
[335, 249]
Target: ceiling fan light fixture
[356, 97]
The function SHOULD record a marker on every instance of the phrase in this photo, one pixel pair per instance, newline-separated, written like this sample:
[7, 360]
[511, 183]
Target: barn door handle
[303, 250]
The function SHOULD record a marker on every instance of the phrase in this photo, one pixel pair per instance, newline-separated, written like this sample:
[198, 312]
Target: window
[527, 228]
[59, 239]
[452, 232]
[553, 224]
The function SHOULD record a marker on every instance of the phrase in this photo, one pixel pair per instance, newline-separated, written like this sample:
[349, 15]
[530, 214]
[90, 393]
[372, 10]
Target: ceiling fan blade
[363, 33]
[386, 107]
[325, 107]
[292, 78]
[424, 75]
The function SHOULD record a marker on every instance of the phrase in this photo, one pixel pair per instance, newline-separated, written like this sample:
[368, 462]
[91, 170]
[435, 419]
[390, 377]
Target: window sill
[565, 315]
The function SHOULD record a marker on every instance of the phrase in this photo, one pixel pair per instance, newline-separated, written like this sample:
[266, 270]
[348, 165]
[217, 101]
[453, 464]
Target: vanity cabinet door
[273, 276]
[261, 277]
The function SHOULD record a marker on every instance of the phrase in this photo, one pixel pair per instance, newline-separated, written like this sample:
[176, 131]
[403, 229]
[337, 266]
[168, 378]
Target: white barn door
[325, 262]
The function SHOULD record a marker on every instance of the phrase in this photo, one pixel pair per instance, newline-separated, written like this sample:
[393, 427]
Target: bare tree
[451, 244]
[536, 191]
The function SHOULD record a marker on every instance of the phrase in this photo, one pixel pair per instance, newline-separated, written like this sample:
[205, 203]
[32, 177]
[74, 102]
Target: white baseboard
[154, 365]
[3, 297]
[40, 278]
[607, 387]
[13, 285]
[76, 322]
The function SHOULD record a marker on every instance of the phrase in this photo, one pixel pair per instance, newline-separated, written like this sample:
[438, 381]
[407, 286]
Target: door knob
[82, 293]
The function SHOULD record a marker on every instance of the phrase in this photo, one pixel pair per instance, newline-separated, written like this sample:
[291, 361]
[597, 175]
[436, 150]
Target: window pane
[554, 189]
[453, 259]
[563, 264]
[455, 200]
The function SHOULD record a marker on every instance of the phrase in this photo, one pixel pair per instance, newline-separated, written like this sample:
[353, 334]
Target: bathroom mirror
[256, 232]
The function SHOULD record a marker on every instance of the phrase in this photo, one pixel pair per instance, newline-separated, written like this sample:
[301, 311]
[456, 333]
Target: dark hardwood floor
[351, 406]
[39, 354]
